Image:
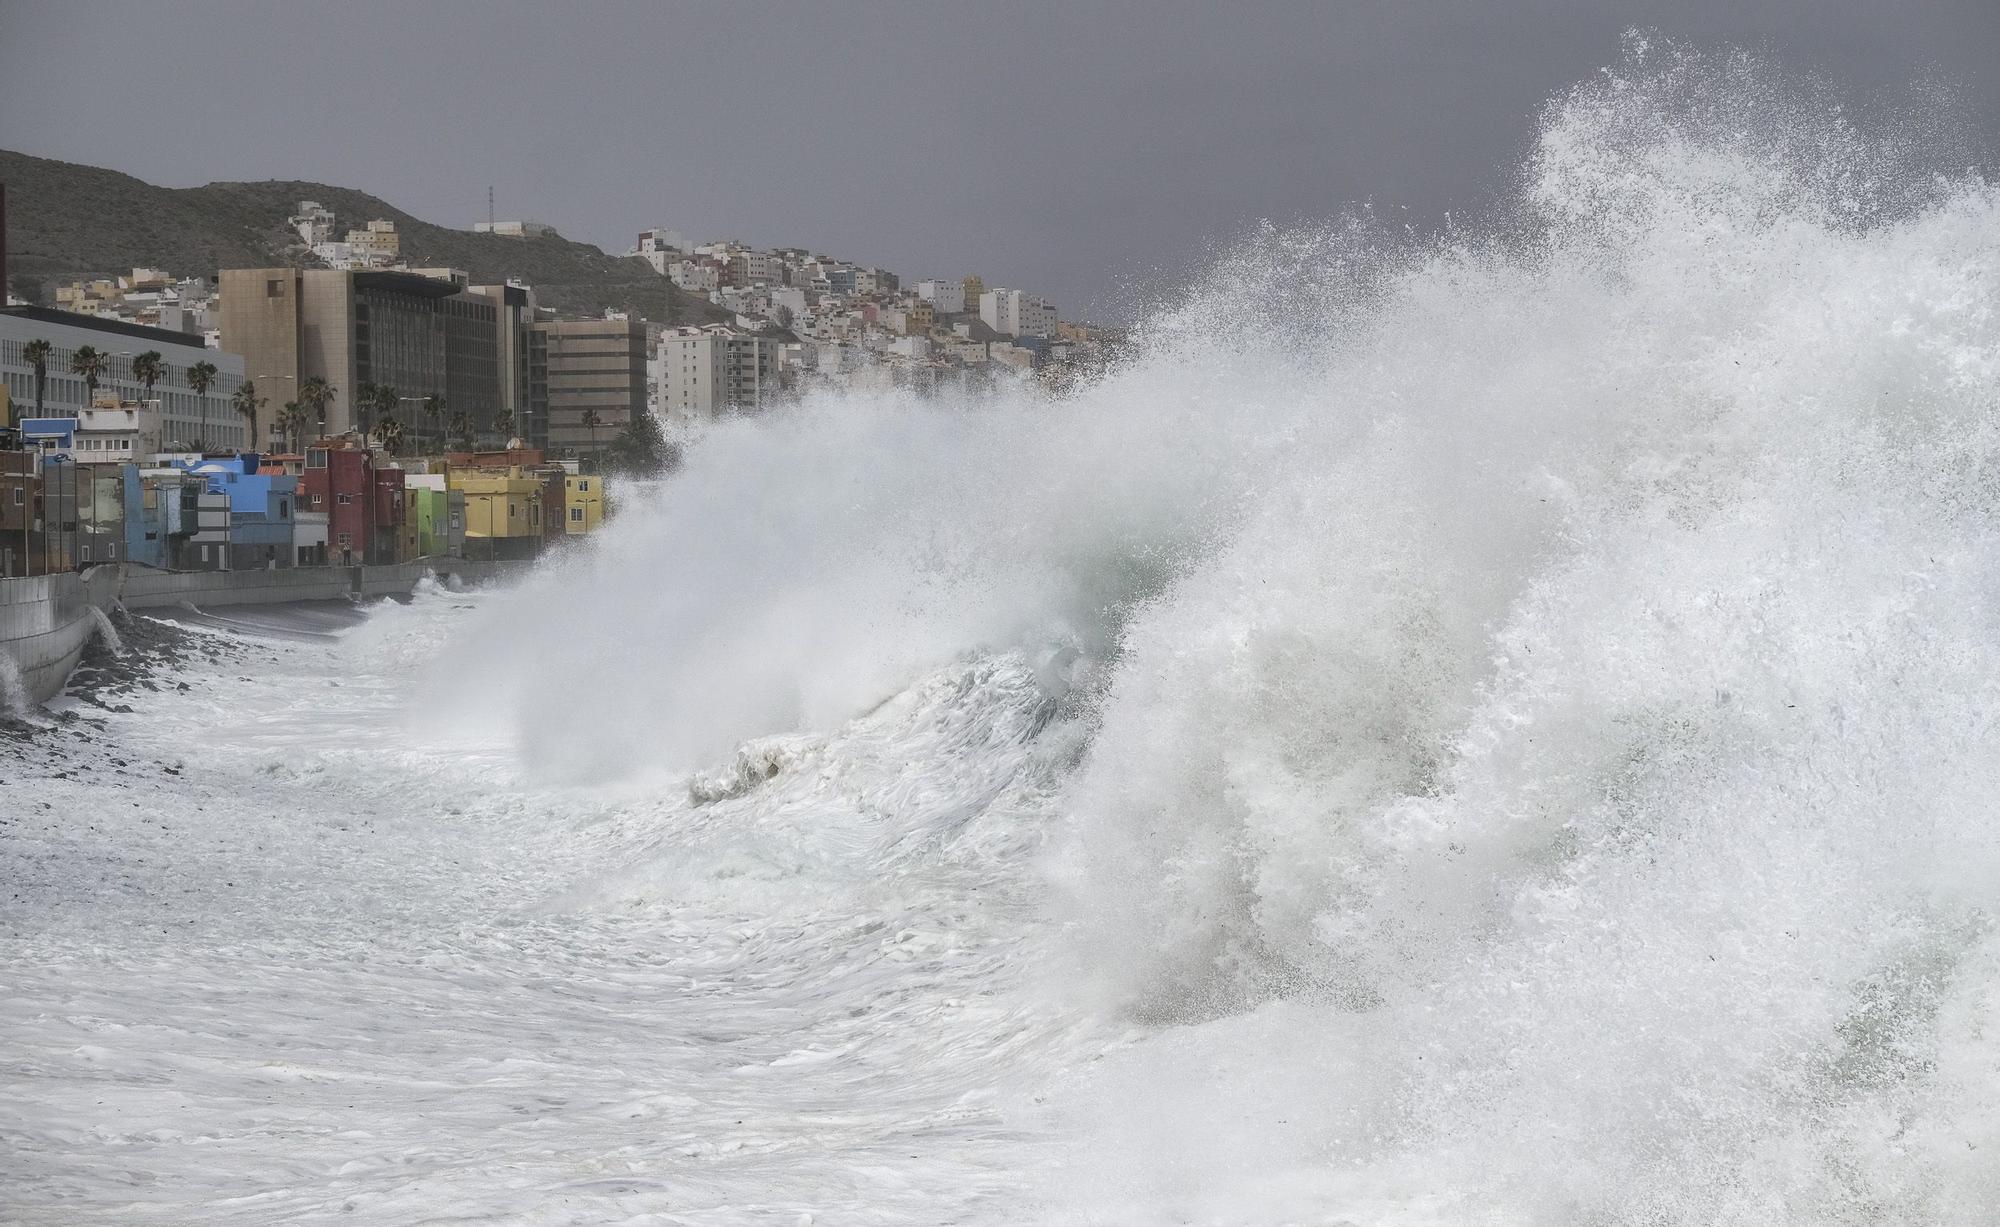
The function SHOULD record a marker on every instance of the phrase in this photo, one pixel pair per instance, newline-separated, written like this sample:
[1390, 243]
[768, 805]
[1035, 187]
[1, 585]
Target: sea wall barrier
[149, 589]
[45, 620]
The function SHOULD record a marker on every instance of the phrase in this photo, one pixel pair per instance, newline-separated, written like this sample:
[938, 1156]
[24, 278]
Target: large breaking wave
[1535, 686]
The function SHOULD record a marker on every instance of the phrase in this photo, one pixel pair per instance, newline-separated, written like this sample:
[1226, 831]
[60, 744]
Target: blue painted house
[160, 512]
[262, 510]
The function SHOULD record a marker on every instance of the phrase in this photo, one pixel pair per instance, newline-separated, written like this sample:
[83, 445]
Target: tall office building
[592, 364]
[421, 336]
[706, 371]
[523, 358]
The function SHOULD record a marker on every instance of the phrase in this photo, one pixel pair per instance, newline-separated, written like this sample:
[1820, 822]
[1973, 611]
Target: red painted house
[363, 504]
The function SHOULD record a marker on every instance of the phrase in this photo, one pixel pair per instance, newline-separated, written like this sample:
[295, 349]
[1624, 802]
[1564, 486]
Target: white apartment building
[336, 255]
[119, 431]
[948, 297]
[703, 372]
[185, 416]
[697, 276]
[755, 268]
[743, 300]
[1012, 313]
[874, 281]
[659, 238]
[314, 222]
[963, 350]
[661, 248]
[792, 298]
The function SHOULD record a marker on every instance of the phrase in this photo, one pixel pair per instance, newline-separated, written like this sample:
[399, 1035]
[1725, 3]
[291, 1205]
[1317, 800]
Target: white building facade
[1015, 314]
[696, 276]
[185, 416]
[948, 297]
[702, 372]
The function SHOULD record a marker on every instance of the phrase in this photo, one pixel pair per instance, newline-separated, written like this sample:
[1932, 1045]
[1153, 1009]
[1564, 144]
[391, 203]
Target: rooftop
[141, 332]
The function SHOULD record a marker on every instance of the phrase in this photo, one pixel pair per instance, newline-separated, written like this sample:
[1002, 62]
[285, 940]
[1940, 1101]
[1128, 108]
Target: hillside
[67, 222]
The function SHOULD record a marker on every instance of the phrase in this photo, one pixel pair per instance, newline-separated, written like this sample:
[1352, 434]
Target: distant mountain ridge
[67, 222]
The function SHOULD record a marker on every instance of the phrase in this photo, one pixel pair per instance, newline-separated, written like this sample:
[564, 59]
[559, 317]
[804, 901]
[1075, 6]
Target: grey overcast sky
[1066, 149]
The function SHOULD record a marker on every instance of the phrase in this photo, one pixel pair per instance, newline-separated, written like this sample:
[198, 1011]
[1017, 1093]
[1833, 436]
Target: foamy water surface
[1486, 730]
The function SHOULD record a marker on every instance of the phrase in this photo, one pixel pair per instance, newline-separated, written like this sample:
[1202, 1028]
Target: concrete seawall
[149, 589]
[46, 620]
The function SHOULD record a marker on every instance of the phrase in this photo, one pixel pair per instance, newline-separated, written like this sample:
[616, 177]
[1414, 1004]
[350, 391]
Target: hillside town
[357, 408]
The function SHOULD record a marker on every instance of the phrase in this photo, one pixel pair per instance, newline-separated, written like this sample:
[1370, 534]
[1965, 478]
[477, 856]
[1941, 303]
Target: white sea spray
[1488, 730]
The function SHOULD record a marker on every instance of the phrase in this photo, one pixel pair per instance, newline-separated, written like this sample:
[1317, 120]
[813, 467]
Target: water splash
[1566, 800]
[1536, 685]
[106, 632]
[14, 701]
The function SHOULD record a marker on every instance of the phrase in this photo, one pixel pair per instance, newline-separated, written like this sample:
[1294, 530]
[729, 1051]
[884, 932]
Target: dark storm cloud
[1066, 149]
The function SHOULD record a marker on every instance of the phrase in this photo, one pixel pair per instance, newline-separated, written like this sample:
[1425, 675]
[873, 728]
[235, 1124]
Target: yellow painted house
[583, 503]
[503, 512]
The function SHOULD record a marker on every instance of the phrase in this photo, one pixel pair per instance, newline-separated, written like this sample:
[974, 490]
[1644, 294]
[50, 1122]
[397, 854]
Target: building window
[274, 288]
[315, 457]
[343, 541]
[284, 509]
[583, 487]
[576, 515]
[343, 499]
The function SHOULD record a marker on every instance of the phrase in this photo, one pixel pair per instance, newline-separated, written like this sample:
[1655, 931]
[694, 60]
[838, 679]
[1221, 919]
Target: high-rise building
[1014, 314]
[522, 394]
[702, 372]
[592, 365]
[419, 336]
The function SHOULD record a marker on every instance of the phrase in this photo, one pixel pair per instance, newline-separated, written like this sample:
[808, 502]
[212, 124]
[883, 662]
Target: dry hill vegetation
[67, 222]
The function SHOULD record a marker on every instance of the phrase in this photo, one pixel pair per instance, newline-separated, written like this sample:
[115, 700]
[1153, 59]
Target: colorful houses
[503, 512]
[583, 503]
[363, 503]
[337, 502]
[439, 512]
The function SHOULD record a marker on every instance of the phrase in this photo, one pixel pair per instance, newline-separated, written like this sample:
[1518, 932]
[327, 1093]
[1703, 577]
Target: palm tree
[390, 431]
[364, 406]
[461, 426]
[372, 403]
[89, 362]
[36, 354]
[316, 394]
[200, 377]
[505, 424]
[386, 401]
[590, 423]
[292, 420]
[434, 413]
[244, 400]
[147, 369]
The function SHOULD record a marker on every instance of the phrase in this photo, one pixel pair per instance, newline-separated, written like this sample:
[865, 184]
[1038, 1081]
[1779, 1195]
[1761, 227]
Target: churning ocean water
[1495, 729]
